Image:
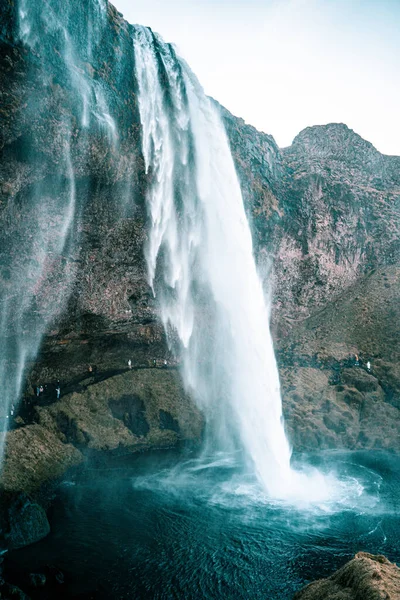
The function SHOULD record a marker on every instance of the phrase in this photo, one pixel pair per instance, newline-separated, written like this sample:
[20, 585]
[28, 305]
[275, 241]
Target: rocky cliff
[325, 221]
[326, 210]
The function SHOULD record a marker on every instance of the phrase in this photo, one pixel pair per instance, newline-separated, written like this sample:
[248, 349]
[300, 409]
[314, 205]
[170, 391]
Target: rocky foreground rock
[366, 577]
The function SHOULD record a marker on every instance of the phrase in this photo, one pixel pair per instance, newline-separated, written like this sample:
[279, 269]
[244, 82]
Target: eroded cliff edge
[324, 213]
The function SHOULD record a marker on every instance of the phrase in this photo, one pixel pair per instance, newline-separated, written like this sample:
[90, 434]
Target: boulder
[37, 580]
[365, 577]
[27, 523]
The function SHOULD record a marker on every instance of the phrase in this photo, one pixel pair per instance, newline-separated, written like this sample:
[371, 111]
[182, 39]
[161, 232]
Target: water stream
[39, 230]
[203, 272]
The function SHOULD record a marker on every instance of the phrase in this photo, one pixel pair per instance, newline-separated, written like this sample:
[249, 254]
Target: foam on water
[220, 481]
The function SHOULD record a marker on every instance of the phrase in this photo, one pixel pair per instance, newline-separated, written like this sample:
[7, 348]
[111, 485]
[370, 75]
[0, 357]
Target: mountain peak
[334, 140]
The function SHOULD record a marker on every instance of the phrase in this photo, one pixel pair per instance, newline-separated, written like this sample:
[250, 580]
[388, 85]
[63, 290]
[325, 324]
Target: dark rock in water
[12, 592]
[27, 523]
[366, 577]
[56, 575]
[37, 580]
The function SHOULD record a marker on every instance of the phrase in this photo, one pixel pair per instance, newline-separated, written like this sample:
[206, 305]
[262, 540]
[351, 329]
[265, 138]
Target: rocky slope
[326, 209]
[329, 400]
[366, 577]
[324, 213]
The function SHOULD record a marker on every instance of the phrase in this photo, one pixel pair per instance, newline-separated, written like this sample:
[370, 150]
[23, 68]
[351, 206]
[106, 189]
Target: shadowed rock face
[366, 577]
[325, 212]
[131, 410]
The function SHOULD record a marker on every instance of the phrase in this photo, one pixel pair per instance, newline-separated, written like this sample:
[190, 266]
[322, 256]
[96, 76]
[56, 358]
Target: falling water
[200, 256]
[38, 236]
[202, 269]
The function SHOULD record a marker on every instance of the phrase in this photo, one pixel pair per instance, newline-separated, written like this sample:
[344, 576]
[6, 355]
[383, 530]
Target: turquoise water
[156, 527]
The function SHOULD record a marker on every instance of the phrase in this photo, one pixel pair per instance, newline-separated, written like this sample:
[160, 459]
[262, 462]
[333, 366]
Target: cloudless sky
[283, 65]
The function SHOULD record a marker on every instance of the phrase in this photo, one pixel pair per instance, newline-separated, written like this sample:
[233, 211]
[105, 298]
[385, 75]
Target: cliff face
[327, 209]
[347, 198]
[324, 212]
[73, 230]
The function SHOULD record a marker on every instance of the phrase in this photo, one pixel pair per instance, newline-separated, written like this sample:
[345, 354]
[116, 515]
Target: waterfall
[38, 240]
[199, 253]
[202, 269]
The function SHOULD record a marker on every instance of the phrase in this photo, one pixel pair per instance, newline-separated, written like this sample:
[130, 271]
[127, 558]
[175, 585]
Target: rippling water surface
[167, 529]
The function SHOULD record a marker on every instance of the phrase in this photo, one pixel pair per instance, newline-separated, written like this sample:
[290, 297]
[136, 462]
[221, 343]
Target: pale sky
[283, 65]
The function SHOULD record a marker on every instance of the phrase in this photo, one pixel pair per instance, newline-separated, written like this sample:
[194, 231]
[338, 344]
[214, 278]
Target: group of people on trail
[40, 390]
[154, 363]
[357, 363]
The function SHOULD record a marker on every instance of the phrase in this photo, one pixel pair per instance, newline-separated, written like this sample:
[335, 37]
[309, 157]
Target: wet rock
[37, 580]
[124, 412]
[56, 575]
[167, 421]
[27, 523]
[355, 409]
[131, 410]
[366, 577]
[360, 379]
[33, 455]
[12, 592]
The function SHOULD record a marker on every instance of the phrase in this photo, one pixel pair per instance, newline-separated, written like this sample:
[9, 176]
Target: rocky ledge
[366, 577]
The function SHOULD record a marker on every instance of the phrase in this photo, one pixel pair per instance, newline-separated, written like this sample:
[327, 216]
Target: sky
[283, 65]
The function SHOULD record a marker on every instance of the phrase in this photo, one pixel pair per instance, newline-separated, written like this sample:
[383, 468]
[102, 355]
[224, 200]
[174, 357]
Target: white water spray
[41, 225]
[202, 269]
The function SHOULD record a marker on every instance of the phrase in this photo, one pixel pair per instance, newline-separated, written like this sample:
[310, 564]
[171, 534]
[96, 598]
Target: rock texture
[329, 400]
[366, 577]
[326, 212]
[327, 209]
[27, 523]
[325, 220]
